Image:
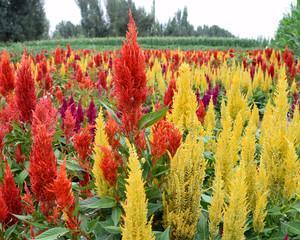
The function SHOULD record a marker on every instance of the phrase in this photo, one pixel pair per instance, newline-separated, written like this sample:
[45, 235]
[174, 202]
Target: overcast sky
[244, 18]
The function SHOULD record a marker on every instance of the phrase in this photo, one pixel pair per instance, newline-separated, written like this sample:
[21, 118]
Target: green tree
[92, 18]
[67, 30]
[288, 32]
[22, 20]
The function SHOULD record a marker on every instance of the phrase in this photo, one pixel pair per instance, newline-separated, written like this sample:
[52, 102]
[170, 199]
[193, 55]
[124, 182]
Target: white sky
[244, 18]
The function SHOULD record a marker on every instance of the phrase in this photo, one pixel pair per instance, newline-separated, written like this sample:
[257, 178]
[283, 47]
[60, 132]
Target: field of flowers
[149, 144]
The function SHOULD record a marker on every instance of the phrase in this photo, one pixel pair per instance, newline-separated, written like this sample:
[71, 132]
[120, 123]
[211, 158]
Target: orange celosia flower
[109, 166]
[165, 138]
[111, 129]
[62, 188]
[42, 168]
[82, 143]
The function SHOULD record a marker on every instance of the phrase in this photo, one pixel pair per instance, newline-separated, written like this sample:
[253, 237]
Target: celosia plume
[7, 75]
[11, 196]
[25, 91]
[129, 79]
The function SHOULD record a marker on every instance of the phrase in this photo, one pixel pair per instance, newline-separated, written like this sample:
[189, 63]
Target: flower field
[140, 144]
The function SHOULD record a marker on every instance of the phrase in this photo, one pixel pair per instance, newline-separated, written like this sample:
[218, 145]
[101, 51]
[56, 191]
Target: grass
[184, 43]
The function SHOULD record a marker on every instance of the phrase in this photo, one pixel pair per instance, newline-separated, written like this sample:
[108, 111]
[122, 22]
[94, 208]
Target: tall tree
[92, 22]
[22, 20]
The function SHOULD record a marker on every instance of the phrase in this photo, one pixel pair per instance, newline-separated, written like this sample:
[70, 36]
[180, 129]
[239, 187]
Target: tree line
[22, 20]
[94, 23]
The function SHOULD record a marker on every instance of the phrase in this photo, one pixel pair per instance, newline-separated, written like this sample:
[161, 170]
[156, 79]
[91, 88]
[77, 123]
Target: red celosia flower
[59, 95]
[11, 195]
[25, 91]
[168, 98]
[165, 138]
[111, 129]
[69, 124]
[3, 209]
[82, 143]
[7, 77]
[129, 79]
[20, 158]
[42, 168]
[140, 141]
[109, 166]
[62, 188]
[27, 201]
[201, 112]
[45, 113]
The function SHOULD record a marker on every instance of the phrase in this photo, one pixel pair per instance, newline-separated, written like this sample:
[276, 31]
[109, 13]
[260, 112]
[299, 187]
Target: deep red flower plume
[45, 113]
[11, 195]
[3, 209]
[168, 98]
[201, 111]
[25, 90]
[69, 123]
[129, 79]
[7, 76]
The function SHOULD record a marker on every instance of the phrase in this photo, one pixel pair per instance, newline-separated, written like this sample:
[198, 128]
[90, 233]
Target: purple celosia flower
[79, 117]
[91, 113]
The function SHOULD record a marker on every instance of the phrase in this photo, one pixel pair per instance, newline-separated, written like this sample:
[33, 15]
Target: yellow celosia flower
[291, 167]
[136, 226]
[210, 119]
[103, 188]
[294, 129]
[261, 200]
[247, 159]
[181, 199]
[236, 101]
[215, 210]
[236, 212]
[185, 103]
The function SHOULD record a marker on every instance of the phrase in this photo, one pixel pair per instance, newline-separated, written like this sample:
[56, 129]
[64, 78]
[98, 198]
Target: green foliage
[92, 22]
[22, 20]
[67, 30]
[288, 32]
[112, 43]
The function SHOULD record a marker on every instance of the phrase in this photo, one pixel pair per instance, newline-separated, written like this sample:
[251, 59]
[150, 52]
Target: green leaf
[26, 218]
[165, 235]
[21, 177]
[111, 111]
[116, 215]
[292, 227]
[52, 234]
[206, 198]
[94, 203]
[202, 227]
[71, 165]
[151, 118]
[113, 229]
[153, 207]
[9, 231]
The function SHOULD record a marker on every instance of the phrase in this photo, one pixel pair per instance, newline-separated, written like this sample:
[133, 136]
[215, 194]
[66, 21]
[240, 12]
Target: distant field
[183, 43]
